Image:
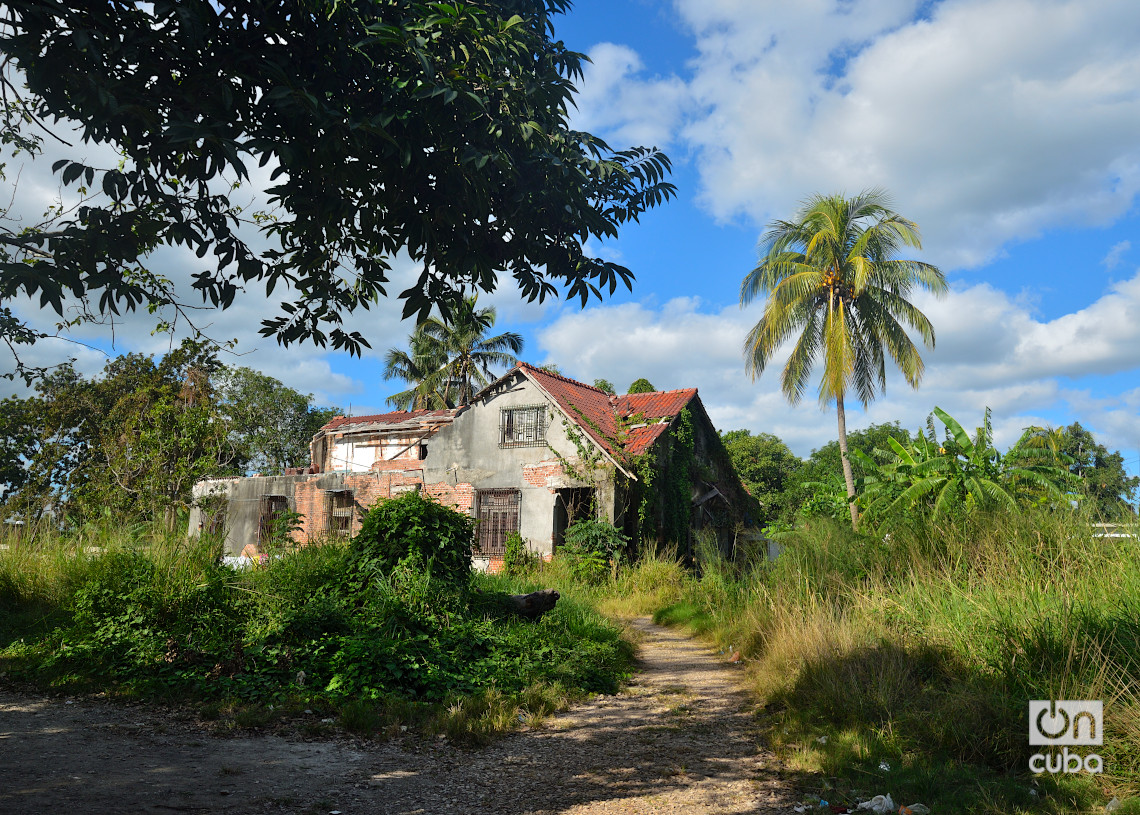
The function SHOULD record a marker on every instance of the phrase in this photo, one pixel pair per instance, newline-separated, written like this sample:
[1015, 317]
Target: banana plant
[960, 474]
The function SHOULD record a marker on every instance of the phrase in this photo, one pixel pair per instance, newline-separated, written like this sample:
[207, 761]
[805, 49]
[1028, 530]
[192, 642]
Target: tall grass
[921, 651]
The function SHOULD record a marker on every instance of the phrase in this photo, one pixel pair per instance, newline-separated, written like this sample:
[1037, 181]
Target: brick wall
[542, 473]
[368, 488]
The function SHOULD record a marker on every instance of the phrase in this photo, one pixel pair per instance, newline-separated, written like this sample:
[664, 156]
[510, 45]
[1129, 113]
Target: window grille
[522, 426]
[340, 509]
[272, 506]
[498, 513]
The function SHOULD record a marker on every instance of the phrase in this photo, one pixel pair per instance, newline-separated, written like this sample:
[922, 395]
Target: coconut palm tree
[450, 357]
[417, 367]
[831, 276]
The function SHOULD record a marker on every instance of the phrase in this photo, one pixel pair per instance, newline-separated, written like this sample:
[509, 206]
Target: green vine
[677, 491]
[662, 494]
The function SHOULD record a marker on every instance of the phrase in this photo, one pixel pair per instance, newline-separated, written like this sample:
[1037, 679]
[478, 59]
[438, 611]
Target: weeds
[383, 646]
[920, 652]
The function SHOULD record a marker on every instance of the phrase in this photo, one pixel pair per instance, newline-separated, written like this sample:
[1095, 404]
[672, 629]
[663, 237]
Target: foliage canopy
[437, 130]
[960, 475]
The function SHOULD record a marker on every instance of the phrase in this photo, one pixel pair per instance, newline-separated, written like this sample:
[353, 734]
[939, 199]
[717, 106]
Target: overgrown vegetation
[391, 628]
[919, 653]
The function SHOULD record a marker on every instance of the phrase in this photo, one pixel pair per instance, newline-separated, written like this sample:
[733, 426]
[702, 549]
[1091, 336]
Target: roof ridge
[560, 376]
[650, 393]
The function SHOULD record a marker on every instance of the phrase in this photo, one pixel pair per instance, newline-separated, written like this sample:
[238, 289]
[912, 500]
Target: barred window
[498, 514]
[341, 510]
[522, 426]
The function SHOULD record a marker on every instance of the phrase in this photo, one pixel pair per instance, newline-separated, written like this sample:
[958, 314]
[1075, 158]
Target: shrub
[392, 530]
[517, 559]
[593, 548]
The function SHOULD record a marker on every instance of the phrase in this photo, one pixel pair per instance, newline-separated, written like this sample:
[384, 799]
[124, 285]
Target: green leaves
[831, 277]
[960, 475]
[435, 129]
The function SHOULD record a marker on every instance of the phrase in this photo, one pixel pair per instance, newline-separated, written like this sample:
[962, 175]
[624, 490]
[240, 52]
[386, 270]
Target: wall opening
[271, 508]
[570, 505]
[498, 515]
[340, 510]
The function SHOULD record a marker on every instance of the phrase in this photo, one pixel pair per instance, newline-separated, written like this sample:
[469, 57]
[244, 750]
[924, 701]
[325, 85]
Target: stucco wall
[468, 451]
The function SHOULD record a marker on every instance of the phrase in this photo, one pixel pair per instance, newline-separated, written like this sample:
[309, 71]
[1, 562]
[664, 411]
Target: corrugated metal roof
[396, 417]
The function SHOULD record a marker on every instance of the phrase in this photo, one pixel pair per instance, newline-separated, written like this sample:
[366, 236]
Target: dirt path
[678, 740]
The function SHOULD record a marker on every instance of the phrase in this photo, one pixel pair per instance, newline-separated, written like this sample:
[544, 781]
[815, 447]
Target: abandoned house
[532, 452]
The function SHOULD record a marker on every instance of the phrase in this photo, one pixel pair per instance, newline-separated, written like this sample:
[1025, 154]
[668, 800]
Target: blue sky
[1008, 129]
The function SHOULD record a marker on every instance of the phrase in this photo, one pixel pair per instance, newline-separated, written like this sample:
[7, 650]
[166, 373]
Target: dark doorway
[570, 505]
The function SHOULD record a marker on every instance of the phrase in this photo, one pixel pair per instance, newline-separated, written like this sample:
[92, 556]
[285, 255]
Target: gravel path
[679, 739]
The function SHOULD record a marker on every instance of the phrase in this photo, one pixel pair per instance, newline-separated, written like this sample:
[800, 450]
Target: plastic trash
[822, 739]
[1112, 805]
[915, 809]
[884, 766]
[879, 805]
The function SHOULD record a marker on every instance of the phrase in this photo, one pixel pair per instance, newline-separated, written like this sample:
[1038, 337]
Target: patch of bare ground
[678, 739]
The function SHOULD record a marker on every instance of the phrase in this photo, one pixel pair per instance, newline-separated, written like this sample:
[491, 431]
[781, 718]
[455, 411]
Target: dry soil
[678, 739]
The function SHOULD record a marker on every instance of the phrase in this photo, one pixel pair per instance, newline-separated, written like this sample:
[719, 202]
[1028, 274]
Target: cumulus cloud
[991, 351]
[990, 120]
[615, 99]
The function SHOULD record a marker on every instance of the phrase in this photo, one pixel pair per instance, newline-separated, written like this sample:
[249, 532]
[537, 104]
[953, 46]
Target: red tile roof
[395, 417]
[597, 412]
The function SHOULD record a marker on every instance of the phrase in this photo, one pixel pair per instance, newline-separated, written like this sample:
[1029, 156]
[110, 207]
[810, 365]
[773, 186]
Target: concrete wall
[468, 452]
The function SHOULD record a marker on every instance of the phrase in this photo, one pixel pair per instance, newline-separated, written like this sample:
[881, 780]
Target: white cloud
[613, 98]
[990, 120]
[991, 351]
[1116, 255]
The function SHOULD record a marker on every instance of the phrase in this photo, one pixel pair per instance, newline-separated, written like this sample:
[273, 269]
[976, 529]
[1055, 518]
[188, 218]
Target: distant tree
[551, 368]
[133, 441]
[18, 424]
[642, 385]
[766, 466]
[459, 342]
[270, 423]
[605, 385]
[817, 486]
[438, 131]
[831, 277]
[1103, 479]
[1102, 473]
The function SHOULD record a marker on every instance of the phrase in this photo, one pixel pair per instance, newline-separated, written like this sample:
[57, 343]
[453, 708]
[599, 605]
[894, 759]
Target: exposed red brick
[539, 475]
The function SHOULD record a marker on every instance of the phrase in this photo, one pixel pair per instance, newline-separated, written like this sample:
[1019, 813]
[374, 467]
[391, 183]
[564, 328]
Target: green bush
[395, 529]
[517, 559]
[593, 549]
[160, 617]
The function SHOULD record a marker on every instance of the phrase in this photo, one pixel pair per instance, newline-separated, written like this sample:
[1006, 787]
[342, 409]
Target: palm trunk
[847, 474]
